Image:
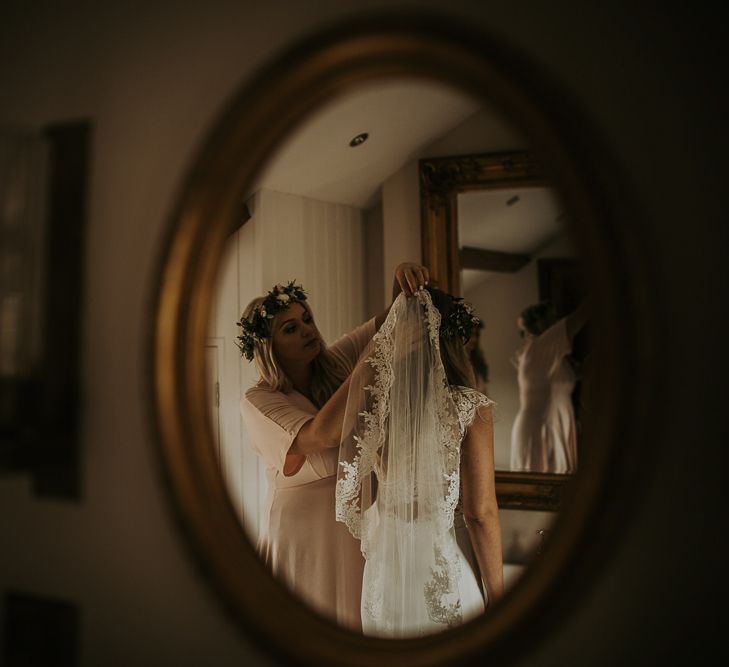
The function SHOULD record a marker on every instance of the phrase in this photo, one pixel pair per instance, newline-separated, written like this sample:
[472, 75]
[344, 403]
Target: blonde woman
[294, 416]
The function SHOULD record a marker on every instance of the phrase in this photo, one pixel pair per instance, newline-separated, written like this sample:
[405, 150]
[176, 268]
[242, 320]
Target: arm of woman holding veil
[325, 429]
[480, 508]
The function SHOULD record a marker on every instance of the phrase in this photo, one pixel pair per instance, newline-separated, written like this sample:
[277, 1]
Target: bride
[416, 459]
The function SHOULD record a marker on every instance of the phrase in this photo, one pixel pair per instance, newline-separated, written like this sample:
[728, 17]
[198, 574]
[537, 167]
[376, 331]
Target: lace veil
[398, 478]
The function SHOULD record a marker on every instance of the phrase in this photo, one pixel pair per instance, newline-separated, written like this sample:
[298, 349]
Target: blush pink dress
[544, 435]
[300, 541]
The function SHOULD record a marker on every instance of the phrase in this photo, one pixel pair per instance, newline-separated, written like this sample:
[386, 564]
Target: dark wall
[651, 80]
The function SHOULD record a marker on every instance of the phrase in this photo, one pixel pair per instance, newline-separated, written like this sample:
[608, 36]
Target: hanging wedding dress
[398, 483]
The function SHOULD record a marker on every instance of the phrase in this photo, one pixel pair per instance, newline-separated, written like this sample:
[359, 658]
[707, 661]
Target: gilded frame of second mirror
[441, 179]
[255, 123]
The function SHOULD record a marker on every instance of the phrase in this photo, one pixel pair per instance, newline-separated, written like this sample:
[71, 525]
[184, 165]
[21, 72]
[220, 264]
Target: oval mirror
[360, 149]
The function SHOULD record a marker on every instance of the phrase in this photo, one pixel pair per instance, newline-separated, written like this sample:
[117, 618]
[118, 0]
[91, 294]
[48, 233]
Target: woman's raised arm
[325, 430]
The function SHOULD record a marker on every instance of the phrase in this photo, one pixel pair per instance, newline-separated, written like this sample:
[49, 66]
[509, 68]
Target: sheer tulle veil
[398, 478]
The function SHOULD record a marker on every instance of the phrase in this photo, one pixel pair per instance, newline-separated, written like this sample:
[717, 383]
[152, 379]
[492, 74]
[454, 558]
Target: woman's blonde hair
[327, 375]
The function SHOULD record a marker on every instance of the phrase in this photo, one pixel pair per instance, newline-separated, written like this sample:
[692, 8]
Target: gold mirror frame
[254, 125]
[441, 180]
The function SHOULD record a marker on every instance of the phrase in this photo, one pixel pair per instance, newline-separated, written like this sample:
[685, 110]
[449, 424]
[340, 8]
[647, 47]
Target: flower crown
[257, 326]
[460, 321]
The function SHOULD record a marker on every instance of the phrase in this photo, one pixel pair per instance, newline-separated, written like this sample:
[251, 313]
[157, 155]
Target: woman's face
[296, 340]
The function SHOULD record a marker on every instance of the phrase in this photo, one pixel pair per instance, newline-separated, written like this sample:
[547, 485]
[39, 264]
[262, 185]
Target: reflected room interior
[515, 255]
[337, 208]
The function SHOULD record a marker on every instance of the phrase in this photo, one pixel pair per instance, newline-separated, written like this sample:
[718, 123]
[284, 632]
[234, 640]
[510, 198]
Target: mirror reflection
[337, 213]
[531, 347]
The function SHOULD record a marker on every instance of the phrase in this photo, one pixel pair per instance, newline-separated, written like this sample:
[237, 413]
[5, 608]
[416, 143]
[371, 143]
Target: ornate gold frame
[253, 126]
[442, 179]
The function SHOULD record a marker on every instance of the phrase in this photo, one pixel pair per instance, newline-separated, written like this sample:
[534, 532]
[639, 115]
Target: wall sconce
[43, 187]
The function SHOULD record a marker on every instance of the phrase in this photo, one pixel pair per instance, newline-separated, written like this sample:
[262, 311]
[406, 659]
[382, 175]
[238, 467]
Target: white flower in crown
[256, 328]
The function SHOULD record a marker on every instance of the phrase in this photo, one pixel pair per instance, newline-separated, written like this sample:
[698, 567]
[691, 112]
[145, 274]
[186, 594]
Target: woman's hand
[409, 277]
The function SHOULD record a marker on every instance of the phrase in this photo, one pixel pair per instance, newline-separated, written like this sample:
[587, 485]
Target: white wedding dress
[398, 486]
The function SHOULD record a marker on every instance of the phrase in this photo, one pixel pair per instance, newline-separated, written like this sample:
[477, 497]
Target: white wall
[377, 295]
[153, 79]
[401, 222]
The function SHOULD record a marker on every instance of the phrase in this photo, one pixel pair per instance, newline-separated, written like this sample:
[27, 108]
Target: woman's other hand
[409, 277]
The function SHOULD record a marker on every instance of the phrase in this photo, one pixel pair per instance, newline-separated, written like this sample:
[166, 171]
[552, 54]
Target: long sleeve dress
[300, 540]
[544, 435]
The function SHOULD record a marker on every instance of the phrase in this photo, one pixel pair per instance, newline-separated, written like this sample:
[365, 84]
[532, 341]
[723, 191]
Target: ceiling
[405, 119]
[517, 220]
[402, 117]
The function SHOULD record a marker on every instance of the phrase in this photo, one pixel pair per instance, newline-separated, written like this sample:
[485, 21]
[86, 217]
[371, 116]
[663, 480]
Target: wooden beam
[491, 260]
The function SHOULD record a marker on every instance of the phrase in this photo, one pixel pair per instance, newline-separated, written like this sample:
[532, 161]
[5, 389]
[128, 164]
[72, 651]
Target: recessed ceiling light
[359, 139]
